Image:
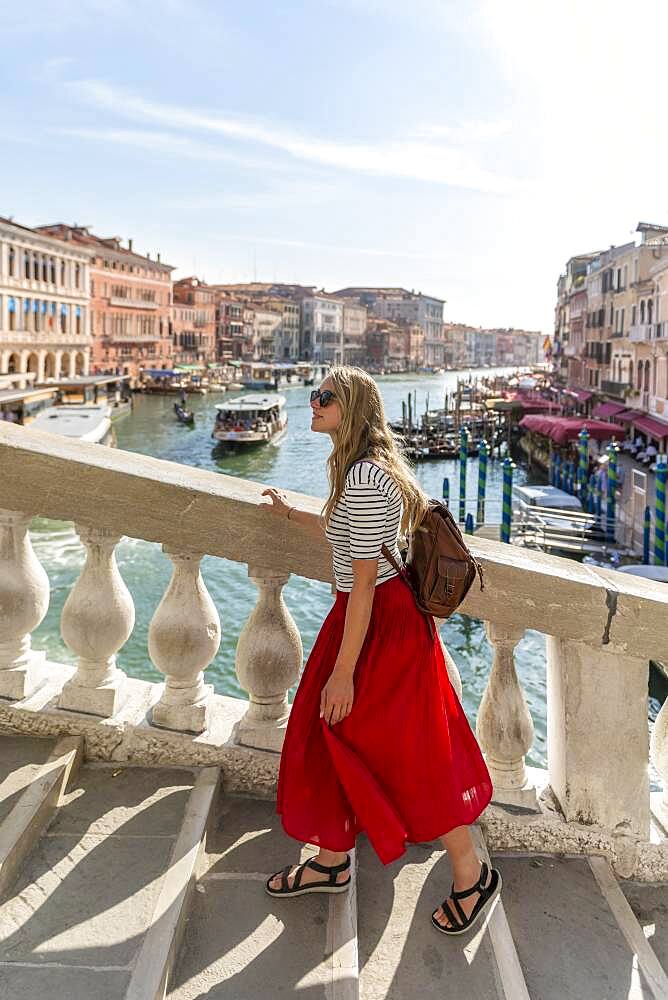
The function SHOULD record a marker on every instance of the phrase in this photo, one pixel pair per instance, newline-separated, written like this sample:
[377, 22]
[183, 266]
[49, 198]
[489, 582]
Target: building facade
[193, 323]
[355, 319]
[45, 330]
[130, 301]
[322, 329]
[401, 306]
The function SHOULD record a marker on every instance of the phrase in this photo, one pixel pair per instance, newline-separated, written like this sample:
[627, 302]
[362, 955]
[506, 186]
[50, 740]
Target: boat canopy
[245, 403]
[160, 372]
[564, 429]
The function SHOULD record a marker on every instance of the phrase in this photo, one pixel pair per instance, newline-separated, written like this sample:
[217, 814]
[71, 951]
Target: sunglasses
[324, 396]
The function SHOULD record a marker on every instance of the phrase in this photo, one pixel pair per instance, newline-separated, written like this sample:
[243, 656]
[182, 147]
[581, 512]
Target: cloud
[418, 160]
[362, 251]
[165, 143]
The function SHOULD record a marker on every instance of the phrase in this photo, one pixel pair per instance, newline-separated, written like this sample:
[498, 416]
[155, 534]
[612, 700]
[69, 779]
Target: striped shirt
[367, 515]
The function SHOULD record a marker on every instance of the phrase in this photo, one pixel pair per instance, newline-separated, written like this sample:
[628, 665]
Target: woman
[377, 739]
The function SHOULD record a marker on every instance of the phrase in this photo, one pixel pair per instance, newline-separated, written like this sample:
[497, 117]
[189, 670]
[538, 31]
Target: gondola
[185, 416]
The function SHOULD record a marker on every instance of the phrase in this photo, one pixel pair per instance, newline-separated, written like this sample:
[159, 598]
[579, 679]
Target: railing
[602, 628]
[640, 331]
[616, 389]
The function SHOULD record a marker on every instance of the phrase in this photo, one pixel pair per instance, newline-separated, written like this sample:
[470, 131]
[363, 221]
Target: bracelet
[290, 509]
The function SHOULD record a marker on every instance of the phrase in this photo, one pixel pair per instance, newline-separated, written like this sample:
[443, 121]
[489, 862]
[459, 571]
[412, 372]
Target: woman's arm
[336, 700]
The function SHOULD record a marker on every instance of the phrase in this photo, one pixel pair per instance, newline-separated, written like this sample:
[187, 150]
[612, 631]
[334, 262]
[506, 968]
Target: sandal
[461, 923]
[331, 885]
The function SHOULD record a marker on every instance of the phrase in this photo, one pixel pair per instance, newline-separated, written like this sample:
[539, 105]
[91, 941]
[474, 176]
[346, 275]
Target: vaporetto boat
[250, 420]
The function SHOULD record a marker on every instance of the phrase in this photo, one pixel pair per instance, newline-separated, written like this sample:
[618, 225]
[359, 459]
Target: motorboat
[547, 518]
[250, 420]
[85, 422]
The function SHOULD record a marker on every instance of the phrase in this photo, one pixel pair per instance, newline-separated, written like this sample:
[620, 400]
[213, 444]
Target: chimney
[158, 256]
[130, 245]
[148, 256]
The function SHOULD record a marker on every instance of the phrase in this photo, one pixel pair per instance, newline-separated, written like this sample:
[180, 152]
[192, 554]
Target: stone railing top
[207, 512]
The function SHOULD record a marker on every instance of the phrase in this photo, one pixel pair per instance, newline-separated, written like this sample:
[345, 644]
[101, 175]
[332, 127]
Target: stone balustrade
[602, 629]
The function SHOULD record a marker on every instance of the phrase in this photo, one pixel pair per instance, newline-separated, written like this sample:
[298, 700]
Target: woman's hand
[279, 503]
[336, 699]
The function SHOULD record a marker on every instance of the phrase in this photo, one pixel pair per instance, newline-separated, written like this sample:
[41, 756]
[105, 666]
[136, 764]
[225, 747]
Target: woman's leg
[465, 868]
[324, 857]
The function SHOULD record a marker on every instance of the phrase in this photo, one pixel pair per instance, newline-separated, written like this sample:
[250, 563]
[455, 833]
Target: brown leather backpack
[438, 566]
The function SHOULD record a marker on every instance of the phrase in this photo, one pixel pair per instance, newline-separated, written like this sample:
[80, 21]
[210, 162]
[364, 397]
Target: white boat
[85, 422]
[552, 520]
[250, 420]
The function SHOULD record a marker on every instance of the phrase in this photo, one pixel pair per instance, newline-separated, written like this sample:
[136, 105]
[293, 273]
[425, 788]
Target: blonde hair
[364, 433]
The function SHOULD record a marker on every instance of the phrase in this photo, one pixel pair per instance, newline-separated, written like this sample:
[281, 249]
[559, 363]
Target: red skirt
[404, 765]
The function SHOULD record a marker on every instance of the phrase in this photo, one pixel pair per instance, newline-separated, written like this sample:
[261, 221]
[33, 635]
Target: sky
[464, 149]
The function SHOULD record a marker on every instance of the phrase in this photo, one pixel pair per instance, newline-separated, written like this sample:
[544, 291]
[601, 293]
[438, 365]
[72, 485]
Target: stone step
[240, 943]
[33, 776]
[574, 938]
[401, 955]
[111, 873]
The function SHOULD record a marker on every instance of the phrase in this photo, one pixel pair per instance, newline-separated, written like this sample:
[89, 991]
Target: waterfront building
[355, 319]
[400, 305]
[286, 334]
[267, 334]
[44, 306]
[386, 345]
[193, 323]
[322, 329]
[234, 327]
[130, 302]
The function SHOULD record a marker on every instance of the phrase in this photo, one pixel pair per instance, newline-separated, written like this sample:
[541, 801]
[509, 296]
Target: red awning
[602, 410]
[650, 425]
[564, 429]
[628, 416]
[582, 395]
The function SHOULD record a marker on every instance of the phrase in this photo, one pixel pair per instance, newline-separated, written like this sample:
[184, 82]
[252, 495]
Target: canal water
[297, 462]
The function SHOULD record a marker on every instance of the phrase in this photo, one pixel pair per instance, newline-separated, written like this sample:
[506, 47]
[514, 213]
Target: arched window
[650, 308]
[35, 266]
[639, 377]
[62, 272]
[26, 264]
[654, 374]
[12, 312]
[77, 275]
[646, 385]
[12, 261]
[45, 269]
[642, 311]
[52, 270]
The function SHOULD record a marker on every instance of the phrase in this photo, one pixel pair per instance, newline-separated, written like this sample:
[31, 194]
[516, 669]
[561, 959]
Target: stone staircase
[138, 883]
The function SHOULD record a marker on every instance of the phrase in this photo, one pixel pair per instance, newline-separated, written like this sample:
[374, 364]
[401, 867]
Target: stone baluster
[268, 661]
[183, 638]
[597, 735]
[24, 600]
[659, 755]
[504, 727]
[97, 619]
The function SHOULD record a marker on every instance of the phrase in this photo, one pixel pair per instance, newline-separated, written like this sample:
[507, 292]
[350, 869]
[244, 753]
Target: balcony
[617, 390]
[120, 300]
[641, 332]
[134, 338]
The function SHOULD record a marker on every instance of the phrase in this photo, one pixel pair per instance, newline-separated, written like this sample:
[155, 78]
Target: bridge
[137, 819]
